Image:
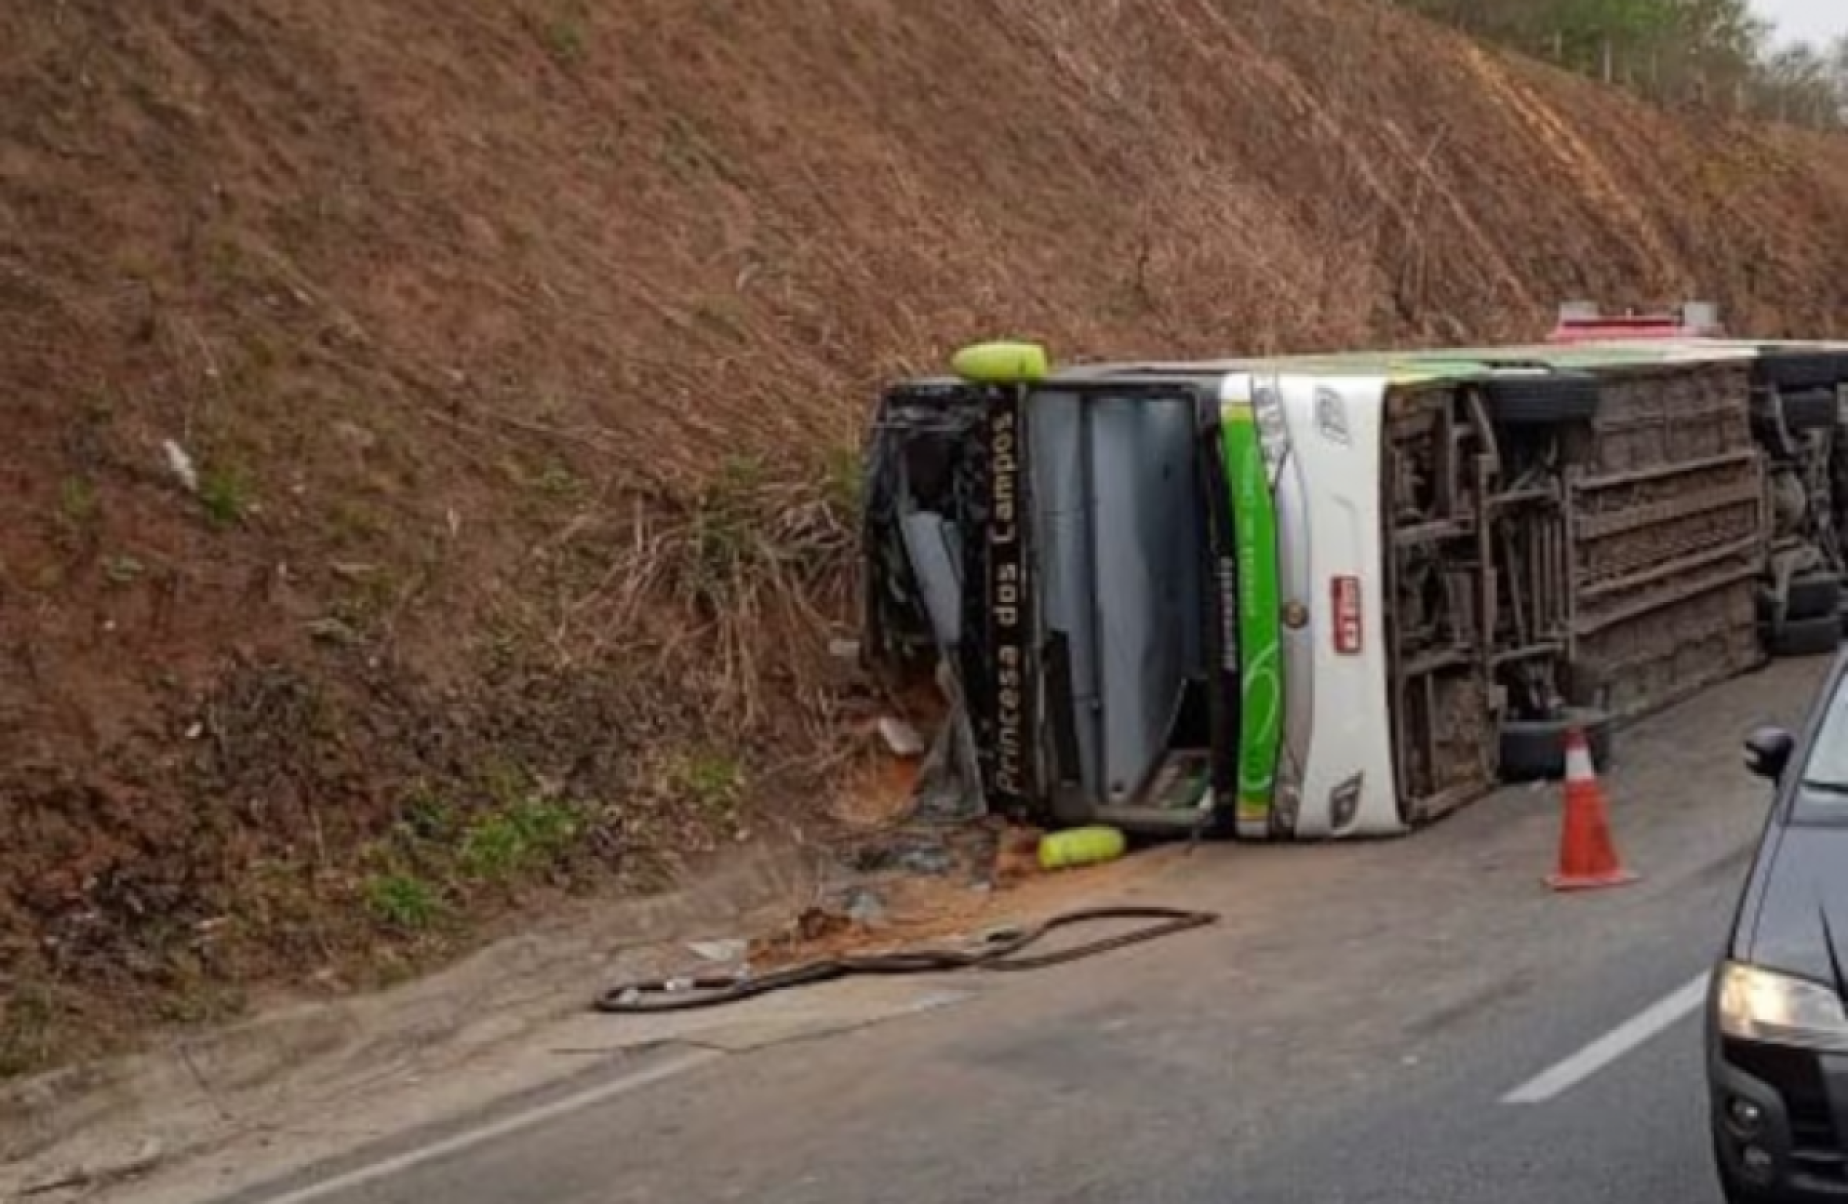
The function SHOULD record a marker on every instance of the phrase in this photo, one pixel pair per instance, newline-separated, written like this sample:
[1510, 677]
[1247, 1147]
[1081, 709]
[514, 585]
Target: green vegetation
[27, 1030]
[446, 846]
[565, 39]
[710, 778]
[518, 838]
[224, 491]
[556, 480]
[123, 570]
[404, 901]
[79, 508]
[1715, 54]
[843, 478]
[729, 538]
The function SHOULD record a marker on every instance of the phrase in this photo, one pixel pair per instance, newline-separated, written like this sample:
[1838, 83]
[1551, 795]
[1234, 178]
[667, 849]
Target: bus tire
[1809, 410]
[1535, 749]
[1554, 400]
[1799, 369]
[1803, 637]
[1812, 595]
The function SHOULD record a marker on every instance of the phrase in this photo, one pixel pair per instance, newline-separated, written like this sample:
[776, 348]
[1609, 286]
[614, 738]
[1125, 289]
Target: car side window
[1826, 767]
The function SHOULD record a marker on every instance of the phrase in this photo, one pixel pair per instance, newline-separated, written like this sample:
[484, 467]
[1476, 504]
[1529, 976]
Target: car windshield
[1825, 773]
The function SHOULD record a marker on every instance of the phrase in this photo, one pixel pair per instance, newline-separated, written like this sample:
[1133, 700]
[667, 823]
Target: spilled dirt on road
[910, 912]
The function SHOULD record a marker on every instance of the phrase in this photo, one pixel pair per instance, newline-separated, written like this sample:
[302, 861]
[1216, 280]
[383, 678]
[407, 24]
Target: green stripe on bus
[1260, 624]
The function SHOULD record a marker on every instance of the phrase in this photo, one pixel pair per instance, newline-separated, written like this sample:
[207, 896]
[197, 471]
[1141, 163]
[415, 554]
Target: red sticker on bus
[1347, 615]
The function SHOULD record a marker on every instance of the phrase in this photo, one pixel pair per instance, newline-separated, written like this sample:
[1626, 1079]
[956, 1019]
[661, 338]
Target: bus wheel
[1557, 399]
[1535, 749]
[1811, 596]
[1810, 410]
[1800, 369]
[1803, 637]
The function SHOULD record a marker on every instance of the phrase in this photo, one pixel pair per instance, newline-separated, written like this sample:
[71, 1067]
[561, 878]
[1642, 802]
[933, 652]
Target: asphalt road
[1350, 1033]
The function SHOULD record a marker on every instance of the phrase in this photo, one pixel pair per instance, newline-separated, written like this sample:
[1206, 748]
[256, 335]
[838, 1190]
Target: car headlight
[1758, 1005]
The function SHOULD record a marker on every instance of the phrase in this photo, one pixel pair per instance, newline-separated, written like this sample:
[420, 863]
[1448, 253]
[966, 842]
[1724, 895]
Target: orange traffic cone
[1587, 854]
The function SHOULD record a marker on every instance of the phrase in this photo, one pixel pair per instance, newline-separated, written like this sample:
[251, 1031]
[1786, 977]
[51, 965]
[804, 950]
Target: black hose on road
[1000, 951]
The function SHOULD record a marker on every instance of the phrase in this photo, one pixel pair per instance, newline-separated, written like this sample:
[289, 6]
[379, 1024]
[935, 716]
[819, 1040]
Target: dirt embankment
[429, 477]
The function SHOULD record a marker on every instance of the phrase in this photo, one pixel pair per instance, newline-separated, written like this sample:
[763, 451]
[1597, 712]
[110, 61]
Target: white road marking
[1651, 1022]
[500, 1128]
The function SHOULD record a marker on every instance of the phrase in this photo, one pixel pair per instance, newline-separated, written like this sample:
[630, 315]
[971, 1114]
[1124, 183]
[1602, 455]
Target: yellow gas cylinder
[1002, 363]
[1081, 846]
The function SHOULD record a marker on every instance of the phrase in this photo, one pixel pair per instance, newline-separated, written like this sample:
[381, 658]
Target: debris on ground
[865, 908]
[928, 883]
[902, 739]
[180, 464]
[721, 952]
[949, 782]
[929, 854]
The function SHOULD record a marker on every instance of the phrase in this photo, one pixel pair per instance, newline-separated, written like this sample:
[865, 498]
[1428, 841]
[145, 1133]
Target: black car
[1777, 1031]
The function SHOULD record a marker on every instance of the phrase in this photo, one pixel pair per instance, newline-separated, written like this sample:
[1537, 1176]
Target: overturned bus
[1338, 596]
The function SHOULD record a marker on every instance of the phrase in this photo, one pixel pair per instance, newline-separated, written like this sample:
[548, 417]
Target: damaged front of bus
[1114, 572]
